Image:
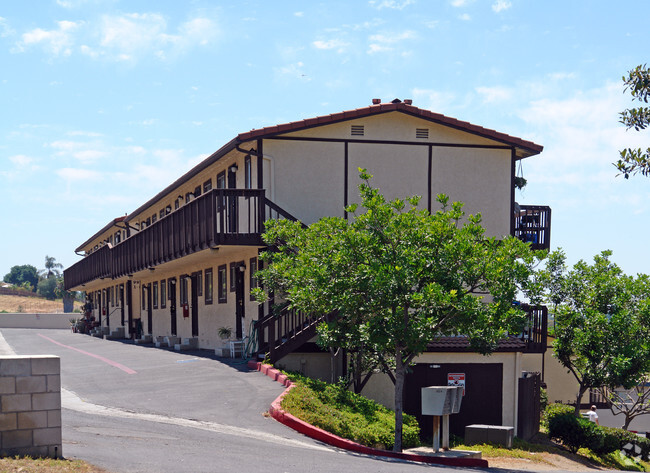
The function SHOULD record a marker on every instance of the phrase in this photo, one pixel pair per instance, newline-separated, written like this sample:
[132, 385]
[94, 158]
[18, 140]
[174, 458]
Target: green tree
[19, 275]
[396, 277]
[51, 267]
[602, 322]
[47, 288]
[631, 160]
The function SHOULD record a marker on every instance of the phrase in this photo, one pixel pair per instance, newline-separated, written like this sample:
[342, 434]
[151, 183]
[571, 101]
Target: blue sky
[106, 102]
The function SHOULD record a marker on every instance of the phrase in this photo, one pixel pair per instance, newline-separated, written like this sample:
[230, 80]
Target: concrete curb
[319, 434]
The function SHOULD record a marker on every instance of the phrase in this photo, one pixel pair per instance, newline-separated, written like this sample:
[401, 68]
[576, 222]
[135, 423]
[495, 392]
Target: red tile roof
[530, 147]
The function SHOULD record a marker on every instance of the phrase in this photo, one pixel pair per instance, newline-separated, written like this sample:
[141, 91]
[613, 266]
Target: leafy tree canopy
[51, 268]
[602, 321]
[397, 276]
[631, 160]
[19, 275]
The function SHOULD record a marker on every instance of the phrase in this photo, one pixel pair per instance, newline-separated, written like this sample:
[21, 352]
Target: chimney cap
[408, 101]
[376, 101]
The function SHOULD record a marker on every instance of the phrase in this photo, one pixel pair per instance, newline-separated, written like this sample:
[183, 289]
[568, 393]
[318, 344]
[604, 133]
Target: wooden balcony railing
[278, 334]
[282, 332]
[535, 331]
[219, 217]
[532, 224]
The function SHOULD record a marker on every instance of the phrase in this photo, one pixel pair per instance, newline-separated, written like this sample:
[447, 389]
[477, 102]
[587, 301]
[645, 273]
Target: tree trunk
[581, 391]
[400, 373]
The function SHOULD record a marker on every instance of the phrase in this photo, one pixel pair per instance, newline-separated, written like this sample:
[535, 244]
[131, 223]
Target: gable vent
[422, 133]
[356, 130]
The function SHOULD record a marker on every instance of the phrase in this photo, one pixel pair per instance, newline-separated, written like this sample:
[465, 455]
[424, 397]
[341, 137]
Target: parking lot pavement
[129, 408]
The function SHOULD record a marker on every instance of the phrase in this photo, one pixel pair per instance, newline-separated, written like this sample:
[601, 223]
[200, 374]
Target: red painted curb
[309, 430]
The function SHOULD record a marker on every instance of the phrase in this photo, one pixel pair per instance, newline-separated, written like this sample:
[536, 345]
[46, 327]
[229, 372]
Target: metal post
[436, 434]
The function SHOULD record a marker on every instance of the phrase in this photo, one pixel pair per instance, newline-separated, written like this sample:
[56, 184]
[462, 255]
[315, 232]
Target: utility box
[441, 400]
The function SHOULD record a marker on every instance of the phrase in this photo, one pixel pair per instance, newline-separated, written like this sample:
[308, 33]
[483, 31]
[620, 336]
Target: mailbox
[441, 400]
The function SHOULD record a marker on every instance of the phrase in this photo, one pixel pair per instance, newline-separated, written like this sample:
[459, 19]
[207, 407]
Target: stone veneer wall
[30, 406]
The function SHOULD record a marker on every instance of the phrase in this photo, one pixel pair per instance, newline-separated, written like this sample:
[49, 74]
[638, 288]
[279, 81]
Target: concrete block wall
[30, 406]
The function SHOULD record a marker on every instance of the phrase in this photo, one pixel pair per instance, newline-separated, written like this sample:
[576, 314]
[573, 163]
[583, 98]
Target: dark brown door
[122, 305]
[482, 403]
[129, 299]
[239, 299]
[149, 309]
[194, 298]
[172, 304]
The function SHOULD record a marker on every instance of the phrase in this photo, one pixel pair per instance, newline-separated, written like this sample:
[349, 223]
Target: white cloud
[464, 17]
[84, 133]
[494, 94]
[292, 70]
[385, 42]
[501, 5]
[392, 4]
[76, 174]
[21, 160]
[89, 155]
[299, 14]
[57, 42]
[433, 100]
[460, 3]
[335, 43]
[5, 29]
[123, 38]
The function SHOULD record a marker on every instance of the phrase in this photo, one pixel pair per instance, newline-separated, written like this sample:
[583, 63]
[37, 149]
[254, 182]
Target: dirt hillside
[31, 305]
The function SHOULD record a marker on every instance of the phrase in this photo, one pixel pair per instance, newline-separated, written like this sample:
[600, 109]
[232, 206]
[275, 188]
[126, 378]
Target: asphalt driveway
[129, 408]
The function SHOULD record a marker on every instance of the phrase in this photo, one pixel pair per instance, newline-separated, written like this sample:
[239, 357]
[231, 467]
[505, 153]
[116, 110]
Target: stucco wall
[36, 320]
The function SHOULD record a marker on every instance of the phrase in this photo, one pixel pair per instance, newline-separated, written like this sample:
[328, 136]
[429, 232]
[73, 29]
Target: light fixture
[233, 168]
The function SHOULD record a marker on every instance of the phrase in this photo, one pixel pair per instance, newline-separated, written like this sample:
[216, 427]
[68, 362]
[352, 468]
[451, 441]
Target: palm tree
[51, 267]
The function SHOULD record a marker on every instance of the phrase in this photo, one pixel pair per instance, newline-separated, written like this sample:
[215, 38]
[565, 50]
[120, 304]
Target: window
[197, 191]
[207, 185]
[161, 213]
[248, 173]
[253, 279]
[111, 294]
[188, 196]
[208, 286]
[143, 292]
[118, 237]
[155, 294]
[163, 294]
[148, 221]
[183, 290]
[232, 277]
[154, 217]
[177, 204]
[221, 180]
[223, 283]
[199, 283]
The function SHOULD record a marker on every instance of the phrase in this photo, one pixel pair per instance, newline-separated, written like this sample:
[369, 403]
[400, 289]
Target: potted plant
[224, 332]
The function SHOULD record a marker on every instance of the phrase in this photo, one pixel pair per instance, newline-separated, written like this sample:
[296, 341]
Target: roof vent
[396, 101]
[408, 101]
[376, 101]
[422, 133]
[356, 130]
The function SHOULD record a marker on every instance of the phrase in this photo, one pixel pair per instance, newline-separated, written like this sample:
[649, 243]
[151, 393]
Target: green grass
[333, 408]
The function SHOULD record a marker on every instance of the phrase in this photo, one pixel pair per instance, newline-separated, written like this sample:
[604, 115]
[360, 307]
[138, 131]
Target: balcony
[532, 224]
[219, 217]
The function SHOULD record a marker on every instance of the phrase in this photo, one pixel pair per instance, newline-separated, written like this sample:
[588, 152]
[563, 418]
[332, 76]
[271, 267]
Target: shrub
[575, 432]
[564, 426]
[332, 407]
